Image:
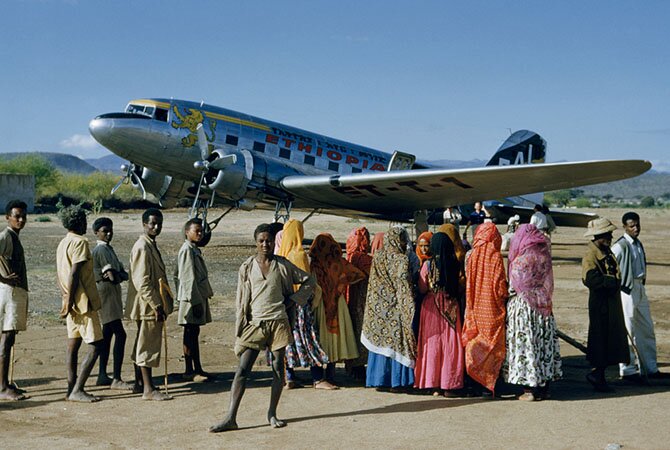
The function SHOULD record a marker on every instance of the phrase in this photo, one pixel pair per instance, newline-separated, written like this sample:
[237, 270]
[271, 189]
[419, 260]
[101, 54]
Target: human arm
[307, 282]
[71, 289]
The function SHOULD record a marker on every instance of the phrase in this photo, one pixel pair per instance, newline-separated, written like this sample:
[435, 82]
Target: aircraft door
[401, 161]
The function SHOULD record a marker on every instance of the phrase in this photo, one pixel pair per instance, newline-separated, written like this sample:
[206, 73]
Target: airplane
[215, 156]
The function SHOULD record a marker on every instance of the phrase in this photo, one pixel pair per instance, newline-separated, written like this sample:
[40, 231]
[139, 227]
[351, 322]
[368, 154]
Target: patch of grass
[43, 219]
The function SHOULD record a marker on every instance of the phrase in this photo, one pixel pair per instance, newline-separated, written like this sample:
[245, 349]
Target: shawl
[451, 231]
[425, 236]
[358, 245]
[377, 242]
[278, 238]
[291, 244]
[333, 274]
[530, 271]
[484, 328]
[443, 276]
[389, 306]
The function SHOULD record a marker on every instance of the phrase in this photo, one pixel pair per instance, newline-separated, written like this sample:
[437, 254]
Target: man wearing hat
[632, 261]
[607, 343]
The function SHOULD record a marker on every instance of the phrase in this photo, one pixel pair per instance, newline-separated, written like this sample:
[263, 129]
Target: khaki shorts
[84, 326]
[275, 334]
[13, 308]
[147, 348]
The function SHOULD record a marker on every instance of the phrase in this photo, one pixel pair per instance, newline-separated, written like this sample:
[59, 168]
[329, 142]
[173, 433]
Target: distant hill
[651, 183]
[61, 161]
[109, 163]
[456, 164]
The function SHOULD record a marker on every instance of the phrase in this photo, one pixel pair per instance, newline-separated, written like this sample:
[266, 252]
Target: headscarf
[443, 277]
[389, 309]
[426, 236]
[530, 271]
[291, 244]
[278, 238]
[358, 246]
[377, 242]
[484, 328]
[333, 273]
[451, 231]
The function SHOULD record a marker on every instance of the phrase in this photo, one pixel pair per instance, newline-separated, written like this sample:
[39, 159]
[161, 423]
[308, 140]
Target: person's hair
[263, 228]
[151, 212]
[276, 227]
[545, 209]
[630, 215]
[538, 208]
[601, 235]
[73, 217]
[15, 204]
[102, 222]
[189, 223]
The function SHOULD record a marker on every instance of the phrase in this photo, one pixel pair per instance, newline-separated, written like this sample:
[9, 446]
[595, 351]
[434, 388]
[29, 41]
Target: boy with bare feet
[193, 293]
[81, 301]
[109, 275]
[147, 305]
[264, 284]
[13, 293]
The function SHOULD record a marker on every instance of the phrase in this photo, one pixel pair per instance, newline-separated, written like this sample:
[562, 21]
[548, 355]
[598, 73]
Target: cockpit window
[161, 114]
[145, 110]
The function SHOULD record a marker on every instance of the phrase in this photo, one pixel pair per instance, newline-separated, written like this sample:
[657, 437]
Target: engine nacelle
[231, 182]
[166, 189]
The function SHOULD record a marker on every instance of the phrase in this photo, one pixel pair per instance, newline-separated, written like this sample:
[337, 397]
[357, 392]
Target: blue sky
[440, 79]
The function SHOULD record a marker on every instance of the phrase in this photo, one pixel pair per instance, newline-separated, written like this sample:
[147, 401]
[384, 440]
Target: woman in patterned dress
[533, 356]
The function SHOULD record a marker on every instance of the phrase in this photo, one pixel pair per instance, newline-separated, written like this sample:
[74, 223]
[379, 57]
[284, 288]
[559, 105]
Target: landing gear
[283, 205]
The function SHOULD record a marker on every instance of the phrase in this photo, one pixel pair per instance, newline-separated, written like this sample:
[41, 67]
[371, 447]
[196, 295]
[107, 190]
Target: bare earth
[576, 417]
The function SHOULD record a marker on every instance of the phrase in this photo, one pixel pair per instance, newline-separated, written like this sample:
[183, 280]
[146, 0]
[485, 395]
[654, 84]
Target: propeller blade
[224, 161]
[202, 141]
[138, 180]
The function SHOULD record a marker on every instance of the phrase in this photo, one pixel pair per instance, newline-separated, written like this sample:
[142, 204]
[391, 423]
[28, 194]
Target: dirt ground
[353, 417]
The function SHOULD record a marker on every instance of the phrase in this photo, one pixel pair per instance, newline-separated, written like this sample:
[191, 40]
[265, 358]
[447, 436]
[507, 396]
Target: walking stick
[166, 296]
[165, 364]
[11, 368]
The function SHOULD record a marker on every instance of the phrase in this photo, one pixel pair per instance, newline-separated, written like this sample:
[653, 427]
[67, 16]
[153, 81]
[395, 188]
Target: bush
[45, 173]
[582, 202]
[43, 219]
[647, 202]
[95, 187]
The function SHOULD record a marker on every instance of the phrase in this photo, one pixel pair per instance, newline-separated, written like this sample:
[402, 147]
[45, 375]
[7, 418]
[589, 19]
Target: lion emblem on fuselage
[190, 121]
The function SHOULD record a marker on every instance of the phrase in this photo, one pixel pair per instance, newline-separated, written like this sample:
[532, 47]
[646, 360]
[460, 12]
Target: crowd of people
[445, 315]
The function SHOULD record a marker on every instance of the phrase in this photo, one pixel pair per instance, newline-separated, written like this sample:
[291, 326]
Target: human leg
[319, 379]
[277, 386]
[628, 308]
[78, 394]
[187, 344]
[247, 359]
[72, 356]
[119, 350]
[107, 333]
[7, 392]
[643, 326]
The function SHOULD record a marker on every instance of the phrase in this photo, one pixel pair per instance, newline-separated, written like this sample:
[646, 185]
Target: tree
[561, 198]
[647, 202]
[33, 164]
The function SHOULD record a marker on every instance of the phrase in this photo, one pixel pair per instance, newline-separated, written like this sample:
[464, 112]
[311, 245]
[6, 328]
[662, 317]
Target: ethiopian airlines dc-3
[214, 156]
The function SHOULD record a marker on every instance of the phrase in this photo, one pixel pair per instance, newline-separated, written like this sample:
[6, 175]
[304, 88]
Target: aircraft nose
[118, 131]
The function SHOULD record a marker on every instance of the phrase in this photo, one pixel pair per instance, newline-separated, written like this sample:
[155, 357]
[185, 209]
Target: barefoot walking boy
[193, 294]
[109, 274]
[81, 301]
[264, 282]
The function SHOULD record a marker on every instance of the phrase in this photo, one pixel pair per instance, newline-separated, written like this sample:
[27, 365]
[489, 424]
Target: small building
[15, 186]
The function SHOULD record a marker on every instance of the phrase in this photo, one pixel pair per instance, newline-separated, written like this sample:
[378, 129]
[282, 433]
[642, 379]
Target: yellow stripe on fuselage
[209, 114]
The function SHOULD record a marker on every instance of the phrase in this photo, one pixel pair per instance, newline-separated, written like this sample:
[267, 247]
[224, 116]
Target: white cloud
[660, 166]
[79, 141]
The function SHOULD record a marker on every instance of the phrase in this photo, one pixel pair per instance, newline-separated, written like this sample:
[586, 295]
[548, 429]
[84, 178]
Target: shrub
[45, 173]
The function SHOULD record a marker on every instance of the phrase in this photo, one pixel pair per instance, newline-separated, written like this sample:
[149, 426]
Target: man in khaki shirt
[264, 289]
[81, 301]
[148, 303]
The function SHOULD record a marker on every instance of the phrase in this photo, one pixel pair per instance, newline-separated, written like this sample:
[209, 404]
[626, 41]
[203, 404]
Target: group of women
[435, 317]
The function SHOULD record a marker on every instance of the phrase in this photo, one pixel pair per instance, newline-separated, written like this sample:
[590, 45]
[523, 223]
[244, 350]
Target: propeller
[130, 174]
[204, 164]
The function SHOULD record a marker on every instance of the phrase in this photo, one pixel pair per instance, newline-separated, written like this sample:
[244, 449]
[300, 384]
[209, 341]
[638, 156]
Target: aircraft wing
[411, 190]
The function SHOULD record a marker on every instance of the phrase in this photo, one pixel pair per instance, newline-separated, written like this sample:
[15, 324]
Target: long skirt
[383, 371]
[305, 350]
[533, 354]
[440, 360]
[340, 346]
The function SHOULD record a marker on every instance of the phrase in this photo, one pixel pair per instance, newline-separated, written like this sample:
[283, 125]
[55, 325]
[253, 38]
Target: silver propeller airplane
[215, 156]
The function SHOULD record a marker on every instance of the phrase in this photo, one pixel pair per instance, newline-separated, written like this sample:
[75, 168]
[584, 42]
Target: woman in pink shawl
[533, 356]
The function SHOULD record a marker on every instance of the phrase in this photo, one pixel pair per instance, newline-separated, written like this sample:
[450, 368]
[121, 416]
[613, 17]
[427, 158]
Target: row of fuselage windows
[285, 153]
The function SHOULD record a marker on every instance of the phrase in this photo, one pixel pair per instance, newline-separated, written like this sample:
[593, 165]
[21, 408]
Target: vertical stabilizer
[522, 147]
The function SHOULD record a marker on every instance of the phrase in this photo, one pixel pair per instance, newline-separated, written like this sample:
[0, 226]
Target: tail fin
[522, 147]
